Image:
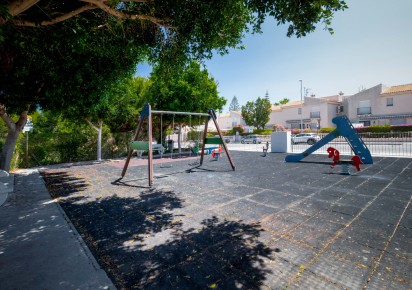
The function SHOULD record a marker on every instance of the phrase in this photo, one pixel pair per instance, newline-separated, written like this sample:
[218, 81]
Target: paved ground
[39, 248]
[267, 225]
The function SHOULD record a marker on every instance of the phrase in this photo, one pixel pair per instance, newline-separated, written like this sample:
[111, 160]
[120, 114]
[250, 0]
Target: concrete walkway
[39, 247]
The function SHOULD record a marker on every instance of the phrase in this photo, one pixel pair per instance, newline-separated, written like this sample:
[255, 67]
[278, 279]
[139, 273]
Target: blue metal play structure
[343, 128]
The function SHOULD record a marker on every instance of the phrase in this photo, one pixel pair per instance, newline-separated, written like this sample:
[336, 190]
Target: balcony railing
[364, 111]
[315, 114]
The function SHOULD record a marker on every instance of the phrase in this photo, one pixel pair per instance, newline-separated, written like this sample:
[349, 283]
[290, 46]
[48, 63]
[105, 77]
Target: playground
[270, 224]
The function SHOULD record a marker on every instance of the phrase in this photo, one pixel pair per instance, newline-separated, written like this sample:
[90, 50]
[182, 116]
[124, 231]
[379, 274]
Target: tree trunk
[99, 141]
[99, 136]
[179, 137]
[13, 131]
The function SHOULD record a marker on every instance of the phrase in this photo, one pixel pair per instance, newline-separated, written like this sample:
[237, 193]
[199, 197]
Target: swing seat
[214, 141]
[141, 146]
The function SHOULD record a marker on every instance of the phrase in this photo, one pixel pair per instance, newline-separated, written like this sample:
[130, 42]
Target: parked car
[310, 138]
[251, 139]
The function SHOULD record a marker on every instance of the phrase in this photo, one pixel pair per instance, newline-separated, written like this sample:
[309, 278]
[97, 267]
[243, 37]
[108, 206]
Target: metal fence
[379, 144]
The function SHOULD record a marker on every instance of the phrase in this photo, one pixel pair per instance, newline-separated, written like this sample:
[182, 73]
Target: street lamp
[301, 108]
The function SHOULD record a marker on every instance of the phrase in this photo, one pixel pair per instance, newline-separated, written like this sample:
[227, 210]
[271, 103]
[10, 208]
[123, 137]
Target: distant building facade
[380, 105]
[374, 106]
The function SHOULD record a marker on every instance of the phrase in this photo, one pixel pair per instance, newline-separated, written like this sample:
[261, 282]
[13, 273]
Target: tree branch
[91, 124]
[122, 15]
[18, 6]
[6, 118]
[55, 20]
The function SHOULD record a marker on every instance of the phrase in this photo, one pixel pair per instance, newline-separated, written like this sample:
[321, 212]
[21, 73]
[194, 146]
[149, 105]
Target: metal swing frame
[147, 113]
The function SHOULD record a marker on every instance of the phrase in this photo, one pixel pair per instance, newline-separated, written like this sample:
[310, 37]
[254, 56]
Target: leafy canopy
[64, 53]
[234, 104]
[257, 113]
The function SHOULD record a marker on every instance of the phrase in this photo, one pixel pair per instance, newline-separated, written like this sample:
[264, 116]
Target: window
[299, 111]
[389, 102]
[397, 121]
[364, 107]
[366, 123]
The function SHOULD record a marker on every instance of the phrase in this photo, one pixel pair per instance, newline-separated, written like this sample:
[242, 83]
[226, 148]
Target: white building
[377, 105]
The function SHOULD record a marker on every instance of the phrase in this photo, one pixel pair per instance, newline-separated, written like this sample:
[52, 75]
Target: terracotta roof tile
[398, 89]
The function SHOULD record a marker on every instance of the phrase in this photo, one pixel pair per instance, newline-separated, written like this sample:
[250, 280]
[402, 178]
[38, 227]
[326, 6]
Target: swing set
[147, 113]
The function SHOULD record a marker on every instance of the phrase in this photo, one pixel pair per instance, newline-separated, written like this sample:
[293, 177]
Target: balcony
[364, 111]
[314, 115]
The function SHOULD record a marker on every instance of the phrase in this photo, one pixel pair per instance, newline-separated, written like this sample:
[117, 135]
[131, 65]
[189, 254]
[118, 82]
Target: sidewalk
[39, 247]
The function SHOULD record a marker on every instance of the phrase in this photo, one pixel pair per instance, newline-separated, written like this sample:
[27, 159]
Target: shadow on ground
[143, 242]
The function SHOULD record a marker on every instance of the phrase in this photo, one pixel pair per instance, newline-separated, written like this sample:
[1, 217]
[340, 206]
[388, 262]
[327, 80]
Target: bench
[141, 146]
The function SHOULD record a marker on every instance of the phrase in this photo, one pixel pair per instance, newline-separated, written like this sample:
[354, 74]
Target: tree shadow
[146, 241]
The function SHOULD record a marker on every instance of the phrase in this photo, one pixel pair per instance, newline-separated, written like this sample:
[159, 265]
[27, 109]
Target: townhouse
[374, 106]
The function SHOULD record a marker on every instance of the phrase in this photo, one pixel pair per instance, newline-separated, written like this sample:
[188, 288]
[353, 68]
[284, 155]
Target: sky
[371, 44]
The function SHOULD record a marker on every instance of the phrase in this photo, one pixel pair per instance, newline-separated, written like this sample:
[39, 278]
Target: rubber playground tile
[369, 233]
[396, 267]
[323, 225]
[296, 189]
[352, 210]
[397, 194]
[333, 217]
[383, 280]
[281, 272]
[308, 280]
[351, 251]
[238, 281]
[311, 206]
[312, 236]
[407, 218]
[239, 191]
[211, 199]
[238, 208]
[275, 198]
[149, 238]
[283, 221]
[259, 212]
[385, 209]
[340, 271]
[372, 188]
[401, 244]
[291, 251]
[328, 195]
[168, 279]
[355, 199]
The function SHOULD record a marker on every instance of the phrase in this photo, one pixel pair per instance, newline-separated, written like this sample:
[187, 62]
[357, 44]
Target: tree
[59, 54]
[190, 89]
[282, 102]
[118, 108]
[257, 113]
[234, 105]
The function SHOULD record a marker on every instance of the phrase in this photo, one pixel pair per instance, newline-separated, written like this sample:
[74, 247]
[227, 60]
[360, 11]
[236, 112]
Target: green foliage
[238, 128]
[257, 113]
[262, 131]
[326, 130]
[282, 102]
[56, 139]
[194, 135]
[189, 89]
[234, 105]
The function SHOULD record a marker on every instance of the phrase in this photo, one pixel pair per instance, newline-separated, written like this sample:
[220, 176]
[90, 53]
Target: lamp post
[301, 108]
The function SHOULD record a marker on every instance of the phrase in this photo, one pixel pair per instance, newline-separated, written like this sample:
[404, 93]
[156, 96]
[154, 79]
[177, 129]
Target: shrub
[238, 128]
[326, 130]
[262, 132]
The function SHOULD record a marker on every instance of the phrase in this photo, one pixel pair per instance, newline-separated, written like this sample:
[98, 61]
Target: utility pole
[301, 107]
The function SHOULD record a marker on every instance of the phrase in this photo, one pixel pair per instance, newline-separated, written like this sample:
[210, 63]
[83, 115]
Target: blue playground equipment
[343, 128]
